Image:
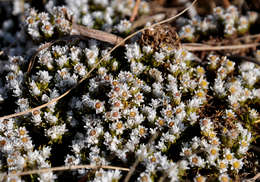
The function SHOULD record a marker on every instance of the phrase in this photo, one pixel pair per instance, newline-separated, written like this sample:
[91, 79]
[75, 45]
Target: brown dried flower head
[160, 36]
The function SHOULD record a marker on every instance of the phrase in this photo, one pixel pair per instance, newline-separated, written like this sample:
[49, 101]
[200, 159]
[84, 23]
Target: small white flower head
[102, 71]
[137, 67]
[156, 74]
[145, 177]
[80, 69]
[124, 26]
[47, 29]
[159, 56]
[229, 65]
[71, 160]
[219, 11]
[34, 88]
[99, 106]
[91, 55]
[75, 53]
[252, 16]
[187, 32]
[213, 61]
[236, 164]
[224, 178]
[186, 151]
[243, 24]
[233, 11]
[222, 165]
[229, 30]
[133, 51]
[87, 20]
[203, 83]
[56, 132]
[114, 65]
[147, 49]
[196, 161]
[118, 127]
[44, 77]
[219, 87]
[228, 155]
[213, 153]
[200, 178]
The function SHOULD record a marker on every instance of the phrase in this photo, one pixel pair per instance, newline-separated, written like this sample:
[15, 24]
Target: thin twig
[63, 168]
[218, 48]
[95, 66]
[248, 37]
[135, 10]
[255, 178]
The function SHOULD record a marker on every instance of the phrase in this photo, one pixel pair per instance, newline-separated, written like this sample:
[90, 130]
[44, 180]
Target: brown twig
[63, 168]
[96, 34]
[204, 47]
[255, 178]
[135, 10]
[226, 3]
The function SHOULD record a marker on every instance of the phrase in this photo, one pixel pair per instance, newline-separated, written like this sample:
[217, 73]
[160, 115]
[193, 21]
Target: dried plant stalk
[96, 34]
[63, 168]
[135, 10]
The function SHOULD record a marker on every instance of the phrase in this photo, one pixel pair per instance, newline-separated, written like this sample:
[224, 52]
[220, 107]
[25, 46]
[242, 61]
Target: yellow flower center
[161, 122]
[213, 151]
[119, 125]
[169, 113]
[222, 165]
[229, 157]
[204, 83]
[236, 164]
[244, 143]
[195, 160]
[24, 139]
[224, 179]
[98, 105]
[22, 132]
[141, 131]
[132, 114]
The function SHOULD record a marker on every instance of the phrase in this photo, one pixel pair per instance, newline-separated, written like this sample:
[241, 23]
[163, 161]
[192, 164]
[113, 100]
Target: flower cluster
[230, 19]
[180, 118]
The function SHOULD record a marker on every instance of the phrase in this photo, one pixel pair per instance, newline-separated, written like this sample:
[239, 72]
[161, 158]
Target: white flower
[159, 56]
[80, 69]
[56, 131]
[137, 67]
[87, 20]
[133, 51]
[124, 26]
[44, 77]
[91, 55]
[196, 161]
[35, 90]
[147, 49]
